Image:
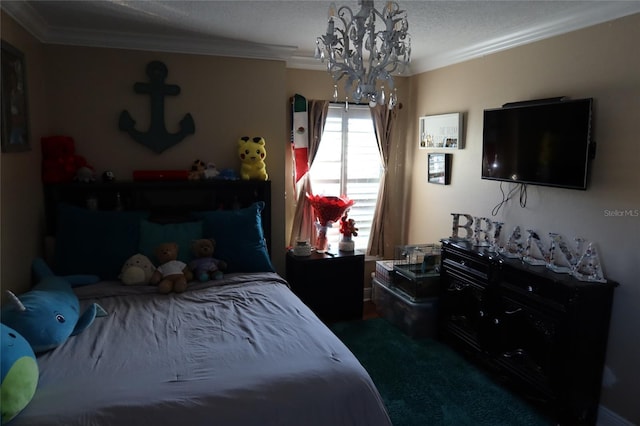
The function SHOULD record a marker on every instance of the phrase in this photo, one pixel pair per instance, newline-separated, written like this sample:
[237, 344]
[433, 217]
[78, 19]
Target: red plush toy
[59, 160]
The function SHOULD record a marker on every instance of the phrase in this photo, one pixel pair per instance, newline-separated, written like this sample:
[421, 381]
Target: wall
[21, 203]
[600, 62]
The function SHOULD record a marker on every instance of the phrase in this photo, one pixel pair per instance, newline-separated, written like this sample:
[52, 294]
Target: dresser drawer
[467, 265]
[551, 292]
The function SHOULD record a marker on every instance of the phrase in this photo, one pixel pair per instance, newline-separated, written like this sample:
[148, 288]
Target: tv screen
[538, 143]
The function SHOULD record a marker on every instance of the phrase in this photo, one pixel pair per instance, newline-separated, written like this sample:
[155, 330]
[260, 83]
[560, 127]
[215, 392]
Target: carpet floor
[424, 382]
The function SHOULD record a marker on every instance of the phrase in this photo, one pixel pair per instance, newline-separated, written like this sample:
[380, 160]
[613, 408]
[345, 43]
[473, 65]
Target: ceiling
[442, 32]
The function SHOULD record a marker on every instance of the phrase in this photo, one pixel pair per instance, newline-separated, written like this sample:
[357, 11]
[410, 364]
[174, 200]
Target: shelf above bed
[166, 201]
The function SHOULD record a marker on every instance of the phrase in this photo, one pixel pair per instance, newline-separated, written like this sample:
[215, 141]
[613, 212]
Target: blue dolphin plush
[47, 315]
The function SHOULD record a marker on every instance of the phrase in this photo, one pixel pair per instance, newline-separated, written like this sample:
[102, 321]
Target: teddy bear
[252, 153]
[172, 274]
[204, 266]
[137, 270]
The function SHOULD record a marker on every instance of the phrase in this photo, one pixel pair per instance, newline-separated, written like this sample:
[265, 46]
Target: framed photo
[439, 168]
[13, 92]
[441, 131]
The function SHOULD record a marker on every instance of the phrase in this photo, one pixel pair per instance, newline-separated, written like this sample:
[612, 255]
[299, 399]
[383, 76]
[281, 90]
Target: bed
[243, 350]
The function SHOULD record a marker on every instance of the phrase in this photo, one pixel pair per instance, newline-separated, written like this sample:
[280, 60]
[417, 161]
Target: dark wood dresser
[541, 333]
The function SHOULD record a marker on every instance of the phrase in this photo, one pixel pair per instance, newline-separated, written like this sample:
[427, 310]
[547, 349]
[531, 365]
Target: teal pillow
[239, 238]
[153, 234]
[95, 242]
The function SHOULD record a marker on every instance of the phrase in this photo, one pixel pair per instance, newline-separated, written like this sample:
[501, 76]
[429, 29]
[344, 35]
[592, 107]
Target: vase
[322, 244]
[346, 244]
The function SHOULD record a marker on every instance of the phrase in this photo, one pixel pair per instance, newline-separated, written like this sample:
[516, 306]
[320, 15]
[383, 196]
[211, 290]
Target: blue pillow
[95, 242]
[239, 238]
[183, 233]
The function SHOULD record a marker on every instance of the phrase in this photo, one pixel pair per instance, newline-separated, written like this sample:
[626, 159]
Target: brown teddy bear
[204, 266]
[172, 274]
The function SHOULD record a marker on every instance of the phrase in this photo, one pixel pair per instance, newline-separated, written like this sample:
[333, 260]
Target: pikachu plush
[252, 153]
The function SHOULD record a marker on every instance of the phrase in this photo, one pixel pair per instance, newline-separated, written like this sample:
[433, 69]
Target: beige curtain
[304, 217]
[383, 123]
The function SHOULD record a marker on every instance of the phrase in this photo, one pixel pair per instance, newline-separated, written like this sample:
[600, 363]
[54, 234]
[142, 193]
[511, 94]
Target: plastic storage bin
[417, 319]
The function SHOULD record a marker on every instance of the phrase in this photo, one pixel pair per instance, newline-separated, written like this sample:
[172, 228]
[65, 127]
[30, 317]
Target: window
[348, 163]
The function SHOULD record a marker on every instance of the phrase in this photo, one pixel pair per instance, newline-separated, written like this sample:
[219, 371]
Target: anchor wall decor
[157, 137]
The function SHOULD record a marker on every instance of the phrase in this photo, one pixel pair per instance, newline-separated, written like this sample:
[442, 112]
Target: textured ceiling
[442, 32]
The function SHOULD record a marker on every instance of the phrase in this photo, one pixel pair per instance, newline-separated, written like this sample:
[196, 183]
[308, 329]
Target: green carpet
[424, 382]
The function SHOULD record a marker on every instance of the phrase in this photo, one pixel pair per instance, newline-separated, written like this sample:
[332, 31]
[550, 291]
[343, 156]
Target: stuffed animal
[197, 170]
[48, 314]
[59, 160]
[204, 266]
[19, 373]
[137, 270]
[85, 174]
[211, 171]
[172, 274]
[108, 176]
[252, 153]
[228, 174]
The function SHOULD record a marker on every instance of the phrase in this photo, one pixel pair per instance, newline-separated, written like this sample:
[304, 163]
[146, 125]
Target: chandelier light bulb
[333, 10]
[366, 47]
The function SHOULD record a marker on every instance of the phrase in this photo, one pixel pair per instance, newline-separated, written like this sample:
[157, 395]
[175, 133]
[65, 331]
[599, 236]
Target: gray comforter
[241, 351]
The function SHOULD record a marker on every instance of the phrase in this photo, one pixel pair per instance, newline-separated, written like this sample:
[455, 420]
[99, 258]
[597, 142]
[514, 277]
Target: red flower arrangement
[329, 208]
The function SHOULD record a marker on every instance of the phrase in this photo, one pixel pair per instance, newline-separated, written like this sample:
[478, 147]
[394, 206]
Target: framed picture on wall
[439, 168]
[13, 92]
[441, 131]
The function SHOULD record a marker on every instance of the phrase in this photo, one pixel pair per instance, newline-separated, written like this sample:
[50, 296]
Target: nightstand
[331, 285]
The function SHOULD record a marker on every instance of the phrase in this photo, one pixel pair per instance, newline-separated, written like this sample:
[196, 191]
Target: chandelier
[388, 50]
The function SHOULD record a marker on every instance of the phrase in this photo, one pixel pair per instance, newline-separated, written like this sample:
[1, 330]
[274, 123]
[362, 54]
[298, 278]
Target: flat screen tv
[545, 142]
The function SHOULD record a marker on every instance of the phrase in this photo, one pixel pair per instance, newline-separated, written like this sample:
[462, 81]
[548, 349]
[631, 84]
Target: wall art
[439, 168]
[441, 131]
[15, 120]
[157, 137]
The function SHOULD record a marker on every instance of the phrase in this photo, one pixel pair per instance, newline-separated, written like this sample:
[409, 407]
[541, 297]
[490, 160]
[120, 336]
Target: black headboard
[166, 200]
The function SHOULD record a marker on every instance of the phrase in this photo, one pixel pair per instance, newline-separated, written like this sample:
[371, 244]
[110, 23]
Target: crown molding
[24, 14]
[175, 44]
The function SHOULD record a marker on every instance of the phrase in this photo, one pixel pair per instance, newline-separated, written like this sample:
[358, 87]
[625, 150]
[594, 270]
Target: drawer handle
[514, 311]
[462, 263]
[530, 289]
[460, 286]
